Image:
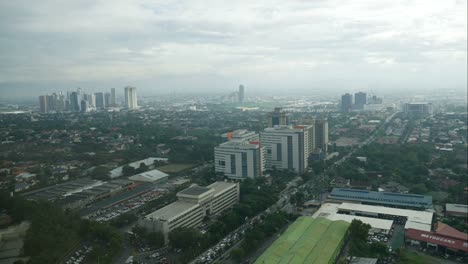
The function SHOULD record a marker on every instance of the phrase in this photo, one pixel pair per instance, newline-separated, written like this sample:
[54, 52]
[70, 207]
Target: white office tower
[240, 159]
[131, 97]
[321, 135]
[287, 147]
[240, 134]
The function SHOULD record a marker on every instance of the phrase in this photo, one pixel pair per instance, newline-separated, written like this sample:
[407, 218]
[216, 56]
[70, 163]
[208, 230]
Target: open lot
[175, 168]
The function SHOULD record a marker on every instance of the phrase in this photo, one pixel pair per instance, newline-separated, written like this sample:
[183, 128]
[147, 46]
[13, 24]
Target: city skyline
[296, 46]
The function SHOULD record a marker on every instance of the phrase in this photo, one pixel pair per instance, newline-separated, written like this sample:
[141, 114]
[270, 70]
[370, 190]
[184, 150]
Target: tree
[128, 170]
[100, 173]
[358, 231]
[155, 239]
[237, 254]
[143, 167]
[419, 189]
[184, 238]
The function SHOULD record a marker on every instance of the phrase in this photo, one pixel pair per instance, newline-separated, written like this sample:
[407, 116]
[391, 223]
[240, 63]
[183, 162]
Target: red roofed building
[448, 231]
[444, 239]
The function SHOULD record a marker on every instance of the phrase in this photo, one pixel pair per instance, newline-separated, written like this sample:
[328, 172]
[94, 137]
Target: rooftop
[152, 175]
[172, 210]
[330, 212]
[399, 199]
[421, 220]
[220, 186]
[307, 240]
[437, 239]
[448, 231]
[458, 208]
[363, 261]
[238, 144]
[195, 190]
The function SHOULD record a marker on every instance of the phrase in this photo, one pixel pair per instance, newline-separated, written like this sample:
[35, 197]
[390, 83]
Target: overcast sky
[163, 46]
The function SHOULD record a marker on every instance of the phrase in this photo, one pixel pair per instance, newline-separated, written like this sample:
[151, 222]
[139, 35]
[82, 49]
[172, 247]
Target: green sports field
[307, 240]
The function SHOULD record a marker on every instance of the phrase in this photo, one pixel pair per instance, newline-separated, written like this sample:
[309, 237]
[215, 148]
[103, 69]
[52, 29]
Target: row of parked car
[112, 212]
[80, 255]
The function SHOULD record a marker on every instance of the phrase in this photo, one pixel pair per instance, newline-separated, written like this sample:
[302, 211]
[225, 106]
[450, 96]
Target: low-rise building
[420, 220]
[456, 210]
[444, 239]
[193, 204]
[150, 176]
[330, 211]
[398, 200]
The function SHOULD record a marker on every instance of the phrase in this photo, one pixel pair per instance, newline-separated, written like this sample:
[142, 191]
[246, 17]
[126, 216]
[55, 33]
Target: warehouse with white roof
[330, 211]
[421, 220]
[150, 176]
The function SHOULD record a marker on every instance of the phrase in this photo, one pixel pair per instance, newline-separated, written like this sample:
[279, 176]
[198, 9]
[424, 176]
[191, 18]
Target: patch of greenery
[54, 232]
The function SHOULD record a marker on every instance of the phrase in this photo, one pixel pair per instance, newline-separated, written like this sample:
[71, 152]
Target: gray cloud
[210, 45]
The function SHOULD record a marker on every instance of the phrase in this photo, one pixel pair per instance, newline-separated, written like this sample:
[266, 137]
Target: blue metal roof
[396, 199]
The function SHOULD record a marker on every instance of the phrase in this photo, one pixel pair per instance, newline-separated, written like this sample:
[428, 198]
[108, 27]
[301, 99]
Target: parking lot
[109, 213]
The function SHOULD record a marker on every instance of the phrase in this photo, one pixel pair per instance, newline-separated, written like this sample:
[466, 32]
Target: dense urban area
[116, 177]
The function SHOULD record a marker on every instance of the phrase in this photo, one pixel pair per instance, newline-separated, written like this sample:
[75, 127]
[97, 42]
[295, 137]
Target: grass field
[307, 240]
[175, 168]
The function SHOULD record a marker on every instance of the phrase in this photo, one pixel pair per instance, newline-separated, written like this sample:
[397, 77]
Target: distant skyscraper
[84, 106]
[91, 98]
[43, 104]
[278, 118]
[99, 100]
[107, 99]
[75, 102]
[131, 97]
[113, 102]
[321, 134]
[60, 102]
[360, 99]
[346, 102]
[241, 93]
[51, 102]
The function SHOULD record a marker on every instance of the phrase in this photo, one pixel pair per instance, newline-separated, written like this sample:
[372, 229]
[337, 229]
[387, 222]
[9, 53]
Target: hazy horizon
[199, 47]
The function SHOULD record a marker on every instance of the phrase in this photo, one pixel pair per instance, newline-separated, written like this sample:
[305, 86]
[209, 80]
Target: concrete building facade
[194, 203]
[346, 102]
[240, 159]
[278, 118]
[321, 135]
[131, 97]
[287, 147]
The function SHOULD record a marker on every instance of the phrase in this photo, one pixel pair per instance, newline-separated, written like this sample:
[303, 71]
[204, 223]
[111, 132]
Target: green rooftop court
[307, 240]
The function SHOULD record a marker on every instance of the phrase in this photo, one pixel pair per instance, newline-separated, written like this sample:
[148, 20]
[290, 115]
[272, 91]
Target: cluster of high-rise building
[79, 101]
[280, 146]
[236, 96]
[361, 100]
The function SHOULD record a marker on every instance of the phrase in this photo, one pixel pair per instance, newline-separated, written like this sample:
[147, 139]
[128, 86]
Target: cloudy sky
[268, 45]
